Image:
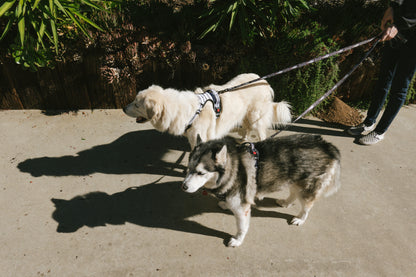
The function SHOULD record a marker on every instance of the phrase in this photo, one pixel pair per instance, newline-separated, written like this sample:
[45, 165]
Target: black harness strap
[215, 99]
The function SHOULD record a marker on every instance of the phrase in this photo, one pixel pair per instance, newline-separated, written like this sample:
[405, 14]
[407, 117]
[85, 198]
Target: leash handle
[302, 64]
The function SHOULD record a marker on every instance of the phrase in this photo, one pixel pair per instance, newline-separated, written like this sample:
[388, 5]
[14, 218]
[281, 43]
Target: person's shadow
[133, 153]
[155, 205]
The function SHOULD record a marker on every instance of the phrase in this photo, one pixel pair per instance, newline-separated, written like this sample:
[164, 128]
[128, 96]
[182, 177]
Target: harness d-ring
[251, 149]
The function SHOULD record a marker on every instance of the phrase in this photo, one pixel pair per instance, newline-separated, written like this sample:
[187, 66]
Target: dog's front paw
[223, 205]
[283, 203]
[234, 242]
[297, 221]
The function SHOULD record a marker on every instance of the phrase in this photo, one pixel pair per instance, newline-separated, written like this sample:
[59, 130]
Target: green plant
[33, 28]
[411, 94]
[254, 18]
[307, 84]
[301, 87]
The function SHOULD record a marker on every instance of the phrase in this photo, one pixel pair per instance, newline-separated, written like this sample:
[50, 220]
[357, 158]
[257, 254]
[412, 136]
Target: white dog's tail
[281, 113]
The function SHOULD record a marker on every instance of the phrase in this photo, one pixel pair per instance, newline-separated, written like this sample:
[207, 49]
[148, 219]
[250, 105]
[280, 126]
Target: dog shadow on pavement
[155, 205]
[132, 153]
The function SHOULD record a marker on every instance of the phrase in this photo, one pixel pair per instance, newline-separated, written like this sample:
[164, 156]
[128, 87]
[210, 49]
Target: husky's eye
[200, 173]
[136, 105]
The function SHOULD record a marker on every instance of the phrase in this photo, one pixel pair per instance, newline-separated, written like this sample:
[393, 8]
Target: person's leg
[405, 70]
[385, 77]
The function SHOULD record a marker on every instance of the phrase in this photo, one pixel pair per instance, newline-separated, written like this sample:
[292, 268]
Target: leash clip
[252, 150]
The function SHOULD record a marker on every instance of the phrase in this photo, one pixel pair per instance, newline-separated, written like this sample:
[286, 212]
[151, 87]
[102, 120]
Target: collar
[220, 196]
[209, 95]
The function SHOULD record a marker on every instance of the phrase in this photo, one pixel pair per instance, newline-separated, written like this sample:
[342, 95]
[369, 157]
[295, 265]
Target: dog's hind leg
[259, 125]
[285, 203]
[244, 131]
[307, 205]
[262, 132]
[242, 215]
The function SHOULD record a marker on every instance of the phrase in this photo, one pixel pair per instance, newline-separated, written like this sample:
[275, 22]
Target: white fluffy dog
[251, 106]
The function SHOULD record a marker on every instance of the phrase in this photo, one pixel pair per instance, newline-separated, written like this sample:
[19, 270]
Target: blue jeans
[397, 68]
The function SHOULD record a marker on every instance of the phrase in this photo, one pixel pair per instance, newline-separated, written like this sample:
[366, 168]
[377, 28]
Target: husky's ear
[221, 156]
[198, 140]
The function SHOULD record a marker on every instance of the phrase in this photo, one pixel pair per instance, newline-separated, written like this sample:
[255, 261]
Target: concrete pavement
[92, 193]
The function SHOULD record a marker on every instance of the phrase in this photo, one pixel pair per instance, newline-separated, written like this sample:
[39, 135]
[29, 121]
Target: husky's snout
[191, 184]
[185, 186]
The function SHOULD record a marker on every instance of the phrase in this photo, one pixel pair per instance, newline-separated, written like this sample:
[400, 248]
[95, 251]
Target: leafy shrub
[296, 37]
[304, 86]
[301, 87]
[254, 18]
[33, 28]
[411, 94]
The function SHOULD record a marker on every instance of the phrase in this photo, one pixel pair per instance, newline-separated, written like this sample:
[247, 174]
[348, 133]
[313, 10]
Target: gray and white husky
[239, 173]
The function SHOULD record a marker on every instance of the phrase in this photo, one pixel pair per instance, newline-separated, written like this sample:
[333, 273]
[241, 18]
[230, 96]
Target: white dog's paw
[223, 205]
[297, 221]
[283, 203]
[234, 242]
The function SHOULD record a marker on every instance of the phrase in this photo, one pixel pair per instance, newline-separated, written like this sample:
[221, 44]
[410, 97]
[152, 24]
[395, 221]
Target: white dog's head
[206, 166]
[147, 105]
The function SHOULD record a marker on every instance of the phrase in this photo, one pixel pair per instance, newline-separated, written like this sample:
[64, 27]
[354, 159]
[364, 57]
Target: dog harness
[209, 95]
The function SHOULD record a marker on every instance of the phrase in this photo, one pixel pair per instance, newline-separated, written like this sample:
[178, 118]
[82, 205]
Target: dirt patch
[339, 112]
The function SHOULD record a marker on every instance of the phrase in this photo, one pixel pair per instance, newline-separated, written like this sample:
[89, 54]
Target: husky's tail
[281, 113]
